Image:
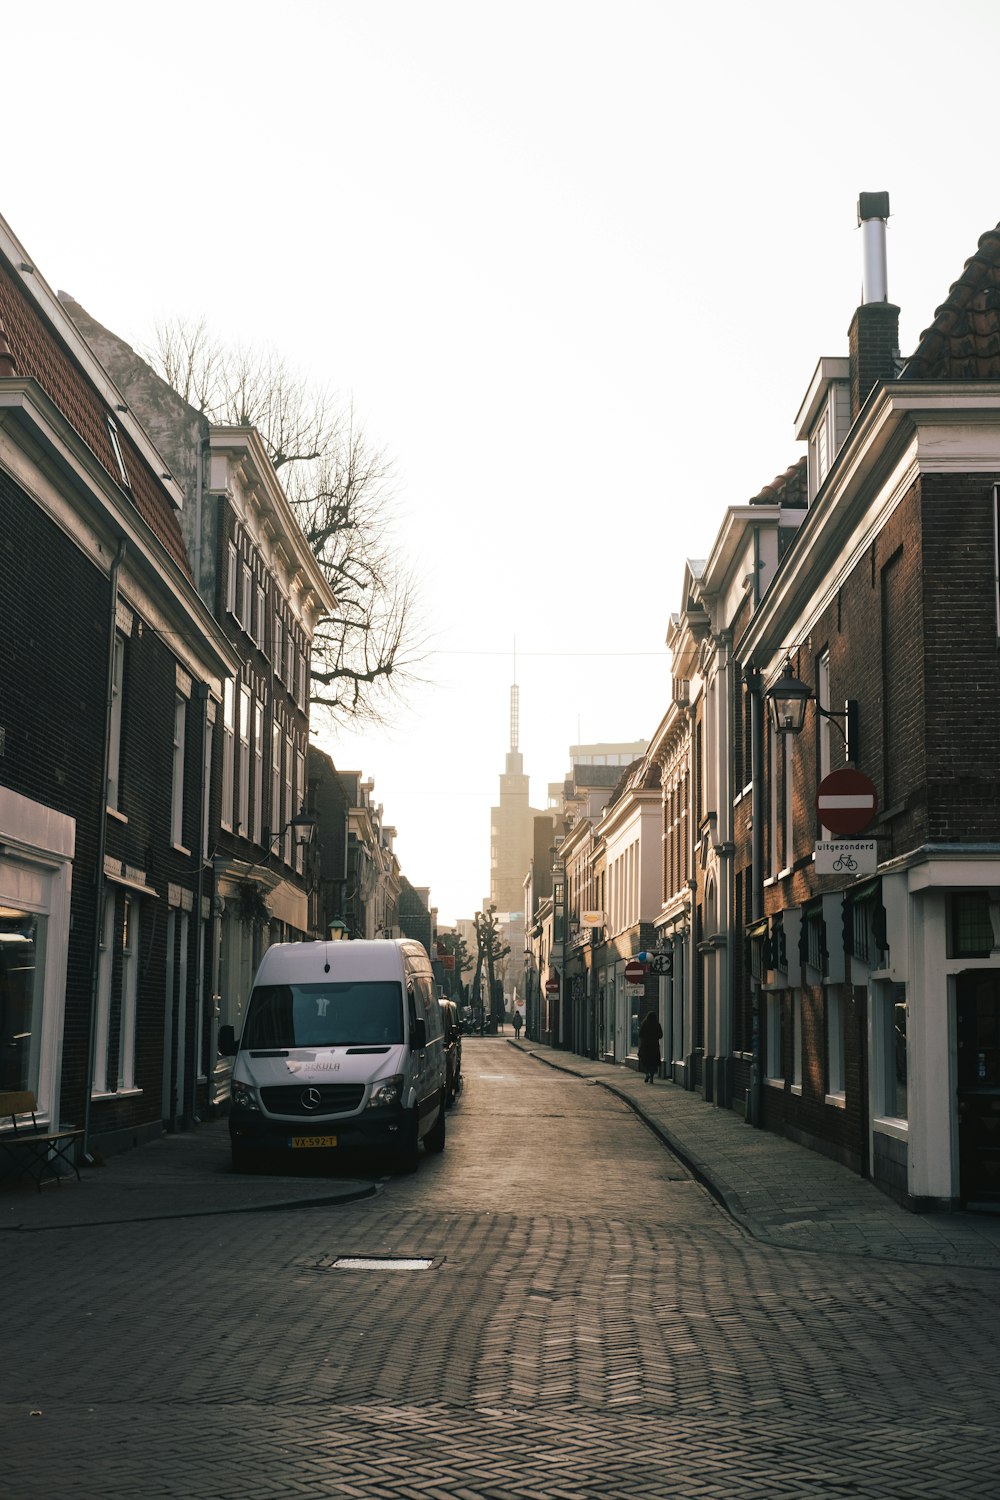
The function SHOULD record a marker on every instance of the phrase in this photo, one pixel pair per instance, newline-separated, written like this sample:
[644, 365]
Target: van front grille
[299, 1099]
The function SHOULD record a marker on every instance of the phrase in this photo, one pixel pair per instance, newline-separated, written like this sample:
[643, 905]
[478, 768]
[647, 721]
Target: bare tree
[366, 655]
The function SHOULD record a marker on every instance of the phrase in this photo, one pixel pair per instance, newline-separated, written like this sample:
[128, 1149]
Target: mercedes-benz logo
[311, 1098]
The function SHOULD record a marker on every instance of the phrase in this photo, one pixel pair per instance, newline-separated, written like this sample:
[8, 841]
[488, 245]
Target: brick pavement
[594, 1325]
[782, 1193]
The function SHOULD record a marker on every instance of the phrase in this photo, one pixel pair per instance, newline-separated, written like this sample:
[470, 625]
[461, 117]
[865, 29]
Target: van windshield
[347, 1014]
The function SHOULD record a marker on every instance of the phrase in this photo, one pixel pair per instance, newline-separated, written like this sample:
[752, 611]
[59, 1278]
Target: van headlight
[243, 1096]
[386, 1092]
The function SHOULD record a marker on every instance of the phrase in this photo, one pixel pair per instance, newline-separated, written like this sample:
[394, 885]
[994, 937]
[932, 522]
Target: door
[979, 1086]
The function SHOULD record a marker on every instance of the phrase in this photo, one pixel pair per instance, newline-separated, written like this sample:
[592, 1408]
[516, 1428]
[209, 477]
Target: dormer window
[824, 418]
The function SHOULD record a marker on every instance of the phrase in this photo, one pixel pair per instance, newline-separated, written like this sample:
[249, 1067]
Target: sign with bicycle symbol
[846, 857]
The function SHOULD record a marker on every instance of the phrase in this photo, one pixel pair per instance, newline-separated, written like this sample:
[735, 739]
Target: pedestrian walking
[518, 1023]
[650, 1032]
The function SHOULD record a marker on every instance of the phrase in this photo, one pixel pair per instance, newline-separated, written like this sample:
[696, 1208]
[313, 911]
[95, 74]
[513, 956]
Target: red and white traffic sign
[635, 972]
[551, 986]
[846, 801]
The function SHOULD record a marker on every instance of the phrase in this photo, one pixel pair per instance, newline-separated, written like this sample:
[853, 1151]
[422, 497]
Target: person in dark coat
[650, 1032]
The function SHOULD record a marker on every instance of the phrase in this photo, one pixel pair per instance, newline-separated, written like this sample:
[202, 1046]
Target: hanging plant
[253, 907]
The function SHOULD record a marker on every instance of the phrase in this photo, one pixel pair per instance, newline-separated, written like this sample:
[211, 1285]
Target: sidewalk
[784, 1194]
[176, 1177]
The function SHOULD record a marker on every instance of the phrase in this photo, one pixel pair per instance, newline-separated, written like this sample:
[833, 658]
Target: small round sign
[846, 801]
[635, 972]
[551, 986]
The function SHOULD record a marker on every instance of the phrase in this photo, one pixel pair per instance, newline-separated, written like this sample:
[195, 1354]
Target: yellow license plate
[300, 1141]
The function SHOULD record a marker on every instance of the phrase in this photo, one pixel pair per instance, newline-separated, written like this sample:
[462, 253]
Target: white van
[342, 1049]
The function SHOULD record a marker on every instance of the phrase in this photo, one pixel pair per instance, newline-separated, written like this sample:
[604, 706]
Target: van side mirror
[227, 1041]
[418, 1035]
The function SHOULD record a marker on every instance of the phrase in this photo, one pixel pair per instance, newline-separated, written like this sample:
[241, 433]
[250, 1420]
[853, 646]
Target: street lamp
[303, 827]
[787, 700]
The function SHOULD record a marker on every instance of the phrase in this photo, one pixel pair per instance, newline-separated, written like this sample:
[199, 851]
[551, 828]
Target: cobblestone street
[592, 1323]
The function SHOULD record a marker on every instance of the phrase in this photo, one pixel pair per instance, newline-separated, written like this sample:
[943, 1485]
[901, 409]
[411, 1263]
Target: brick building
[112, 664]
[257, 575]
[879, 993]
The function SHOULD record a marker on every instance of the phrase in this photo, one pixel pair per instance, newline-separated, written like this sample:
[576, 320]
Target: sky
[573, 263]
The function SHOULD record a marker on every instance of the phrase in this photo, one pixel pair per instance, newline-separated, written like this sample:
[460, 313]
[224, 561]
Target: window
[279, 646]
[257, 617]
[22, 970]
[246, 592]
[834, 1043]
[207, 774]
[797, 1039]
[286, 821]
[894, 1068]
[231, 570]
[228, 752]
[814, 939]
[275, 813]
[177, 780]
[256, 827]
[115, 727]
[244, 817]
[115, 1029]
[970, 930]
[773, 1070]
[116, 449]
[300, 793]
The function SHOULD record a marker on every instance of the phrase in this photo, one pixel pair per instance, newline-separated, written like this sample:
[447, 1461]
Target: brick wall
[55, 629]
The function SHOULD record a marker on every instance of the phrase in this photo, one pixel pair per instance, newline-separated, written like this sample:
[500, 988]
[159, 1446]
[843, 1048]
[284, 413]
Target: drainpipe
[755, 685]
[95, 956]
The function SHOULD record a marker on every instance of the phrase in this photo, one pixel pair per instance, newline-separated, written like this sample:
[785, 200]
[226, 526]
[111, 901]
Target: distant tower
[511, 824]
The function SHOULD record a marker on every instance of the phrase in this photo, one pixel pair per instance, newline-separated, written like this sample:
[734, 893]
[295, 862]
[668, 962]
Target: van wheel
[434, 1139]
[406, 1157]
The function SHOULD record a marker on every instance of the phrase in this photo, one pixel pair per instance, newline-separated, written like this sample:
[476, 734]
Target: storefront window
[895, 1053]
[21, 989]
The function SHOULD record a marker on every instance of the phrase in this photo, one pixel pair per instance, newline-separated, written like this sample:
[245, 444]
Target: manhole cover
[381, 1263]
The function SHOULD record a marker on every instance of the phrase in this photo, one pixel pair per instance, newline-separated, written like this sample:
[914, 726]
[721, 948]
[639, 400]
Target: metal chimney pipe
[873, 210]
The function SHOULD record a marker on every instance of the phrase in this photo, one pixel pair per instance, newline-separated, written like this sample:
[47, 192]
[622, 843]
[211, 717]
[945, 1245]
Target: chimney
[873, 336]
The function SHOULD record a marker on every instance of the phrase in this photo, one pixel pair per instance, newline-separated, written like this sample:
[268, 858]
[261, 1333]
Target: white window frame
[796, 1041]
[115, 725]
[257, 823]
[231, 570]
[772, 1041]
[243, 824]
[277, 739]
[206, 771]
[300, 795]
[102, 1019]
[287, 820]
[177, 778]
[129, 988]
[834, 1005]
[116, 449]
[228, 752]
[887, 998]
[279, 645]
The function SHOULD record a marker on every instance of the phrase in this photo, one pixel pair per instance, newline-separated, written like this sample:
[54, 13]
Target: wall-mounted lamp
[303, 827]
[787, 701]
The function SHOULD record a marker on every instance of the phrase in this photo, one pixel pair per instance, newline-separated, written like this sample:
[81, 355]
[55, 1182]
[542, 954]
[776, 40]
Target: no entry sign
[635, 972]
[846, 801]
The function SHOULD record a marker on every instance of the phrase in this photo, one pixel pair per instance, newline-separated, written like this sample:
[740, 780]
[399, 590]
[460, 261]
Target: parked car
[452, 1049]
